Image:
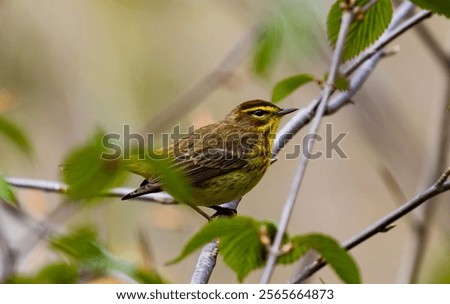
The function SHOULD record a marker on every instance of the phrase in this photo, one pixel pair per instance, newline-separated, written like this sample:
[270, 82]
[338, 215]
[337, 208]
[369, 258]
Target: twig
[347, 18]
[205, 264]
[369, 5]
[379, 226]
[416, 245]
[57, 187]
[358, 79]
[444, 177]
[207, 259]
[304, 116]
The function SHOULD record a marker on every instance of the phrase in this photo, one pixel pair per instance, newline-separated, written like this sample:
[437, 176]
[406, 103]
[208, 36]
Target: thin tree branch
[369, 5]
[205, 263]
[304, 116]
[416, 246]
[381, 225]
[57, 187]
[347, 18]
[207, 259]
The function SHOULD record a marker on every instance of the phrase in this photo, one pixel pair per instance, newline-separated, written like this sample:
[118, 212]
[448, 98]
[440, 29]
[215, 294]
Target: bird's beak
[286, 111]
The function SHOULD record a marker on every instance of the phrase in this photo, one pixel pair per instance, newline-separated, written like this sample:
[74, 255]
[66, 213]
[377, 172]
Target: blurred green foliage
[268, 49]
[15, 135]
[87, 260]
[149, 163]
[287, 32]
[56, 273]
[88, 173]
[6, 192]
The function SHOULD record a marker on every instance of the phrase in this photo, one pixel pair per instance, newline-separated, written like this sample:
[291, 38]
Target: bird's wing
[204, 155]
[209, 164]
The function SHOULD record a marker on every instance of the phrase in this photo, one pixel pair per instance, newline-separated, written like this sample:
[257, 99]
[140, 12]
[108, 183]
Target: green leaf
[288, 85]
[239, 243]
[297, 251]
[15, 135]
[268, 48]
[361, 33]
[88, 173]
[6, 192]
[338, 258]
[82, 246]
[441, 7]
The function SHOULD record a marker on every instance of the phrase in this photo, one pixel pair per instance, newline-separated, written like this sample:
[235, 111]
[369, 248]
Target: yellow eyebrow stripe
[263, 108]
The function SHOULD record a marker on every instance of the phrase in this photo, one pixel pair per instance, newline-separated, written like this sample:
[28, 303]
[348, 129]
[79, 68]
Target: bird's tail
[144, 189]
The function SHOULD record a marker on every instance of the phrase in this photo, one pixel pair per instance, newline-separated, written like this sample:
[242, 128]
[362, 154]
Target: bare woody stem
[57, 187]
[381, 225]
[347, 18]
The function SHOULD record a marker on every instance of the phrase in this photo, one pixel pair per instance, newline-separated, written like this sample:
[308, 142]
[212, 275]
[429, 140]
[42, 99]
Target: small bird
[224, 160]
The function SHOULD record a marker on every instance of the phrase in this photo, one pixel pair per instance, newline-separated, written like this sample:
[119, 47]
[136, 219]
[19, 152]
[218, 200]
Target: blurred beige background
[68, 67]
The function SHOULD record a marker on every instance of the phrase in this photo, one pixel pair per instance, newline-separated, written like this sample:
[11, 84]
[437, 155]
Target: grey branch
[305, 115]
[347, 18]
[381, 225]
[205, 264]
[57, 187]
[436, 160]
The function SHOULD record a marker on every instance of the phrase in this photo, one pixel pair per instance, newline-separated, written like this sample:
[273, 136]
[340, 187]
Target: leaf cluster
[244, 244]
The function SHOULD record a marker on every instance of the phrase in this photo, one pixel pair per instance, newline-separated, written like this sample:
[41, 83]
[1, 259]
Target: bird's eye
[259, 113]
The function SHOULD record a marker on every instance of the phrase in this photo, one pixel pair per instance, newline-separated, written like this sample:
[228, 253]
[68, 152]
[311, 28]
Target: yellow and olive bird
[225, 160]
